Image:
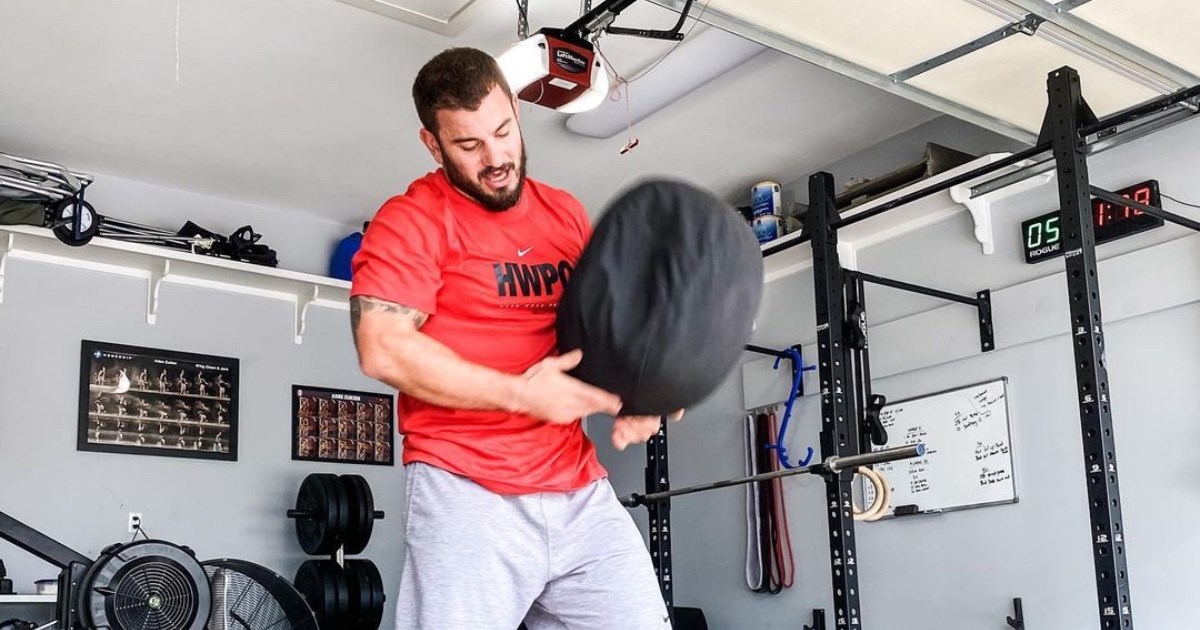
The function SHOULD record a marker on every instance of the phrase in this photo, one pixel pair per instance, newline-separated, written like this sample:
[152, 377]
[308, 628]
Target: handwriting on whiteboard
[918, 475]
[990, 450]
[988, 477]
[980, 412]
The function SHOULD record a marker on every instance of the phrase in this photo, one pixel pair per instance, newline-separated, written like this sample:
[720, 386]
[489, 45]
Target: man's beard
[497, 201]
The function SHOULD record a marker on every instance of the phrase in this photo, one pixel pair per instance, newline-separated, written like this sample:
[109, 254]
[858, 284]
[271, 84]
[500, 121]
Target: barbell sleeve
[838, 464]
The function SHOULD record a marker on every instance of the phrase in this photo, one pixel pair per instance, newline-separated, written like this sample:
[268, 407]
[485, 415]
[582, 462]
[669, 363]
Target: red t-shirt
[491, 283]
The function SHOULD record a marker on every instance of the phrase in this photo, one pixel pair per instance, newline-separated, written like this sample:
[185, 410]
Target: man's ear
[516, 103]
[431, 143]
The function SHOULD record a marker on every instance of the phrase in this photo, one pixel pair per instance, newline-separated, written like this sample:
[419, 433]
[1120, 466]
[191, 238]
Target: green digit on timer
[1034, 238]
[1052, 230]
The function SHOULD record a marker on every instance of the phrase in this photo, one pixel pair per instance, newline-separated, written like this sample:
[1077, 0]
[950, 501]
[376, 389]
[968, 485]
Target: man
[454, 298]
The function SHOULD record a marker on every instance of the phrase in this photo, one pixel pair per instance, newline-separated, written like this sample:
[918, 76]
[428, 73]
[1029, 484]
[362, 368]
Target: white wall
[960, 570]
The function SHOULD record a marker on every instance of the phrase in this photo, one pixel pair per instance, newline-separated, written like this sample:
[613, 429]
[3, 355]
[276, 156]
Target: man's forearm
[424, 368]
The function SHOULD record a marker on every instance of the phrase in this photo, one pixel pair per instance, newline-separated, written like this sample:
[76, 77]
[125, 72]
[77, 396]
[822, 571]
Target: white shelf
[28, 599]
[905, 219]
[160, 265]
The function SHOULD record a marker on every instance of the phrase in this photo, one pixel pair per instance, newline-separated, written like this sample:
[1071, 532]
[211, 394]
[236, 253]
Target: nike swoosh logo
[522, 252]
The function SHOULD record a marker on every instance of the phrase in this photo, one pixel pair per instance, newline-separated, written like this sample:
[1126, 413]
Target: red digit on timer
[1141, 195]
[1100, 208]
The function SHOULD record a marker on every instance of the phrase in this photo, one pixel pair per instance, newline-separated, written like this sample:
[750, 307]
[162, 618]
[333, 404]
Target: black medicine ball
[664, 297]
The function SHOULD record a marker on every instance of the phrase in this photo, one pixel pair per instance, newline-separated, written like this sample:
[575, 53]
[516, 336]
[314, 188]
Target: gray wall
[220, 509]
[961, 569]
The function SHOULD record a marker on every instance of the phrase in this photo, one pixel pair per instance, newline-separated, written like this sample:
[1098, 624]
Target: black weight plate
[315, 532]
[324, 585]
[375, 618]
[340, 508]
[362, 510]
[368, 511]
[339, 577]
[369, 591]
[360, 595]
[317, 591]
[351, 539]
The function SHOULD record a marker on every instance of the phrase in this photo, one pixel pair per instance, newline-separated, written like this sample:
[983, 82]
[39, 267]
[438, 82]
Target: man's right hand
[548, 393]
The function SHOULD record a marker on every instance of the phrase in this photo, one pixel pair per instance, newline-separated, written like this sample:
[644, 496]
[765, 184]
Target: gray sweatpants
[476, 560]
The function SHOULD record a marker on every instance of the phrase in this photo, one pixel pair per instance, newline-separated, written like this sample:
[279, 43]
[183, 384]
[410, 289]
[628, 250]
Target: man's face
[482, 151]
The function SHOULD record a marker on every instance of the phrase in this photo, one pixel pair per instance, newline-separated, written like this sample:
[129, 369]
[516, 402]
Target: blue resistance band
[798, 370]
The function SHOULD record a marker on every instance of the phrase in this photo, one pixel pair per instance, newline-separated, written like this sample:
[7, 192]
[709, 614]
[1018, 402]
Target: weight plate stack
[338, 513]
[322, 513]
[362, 513]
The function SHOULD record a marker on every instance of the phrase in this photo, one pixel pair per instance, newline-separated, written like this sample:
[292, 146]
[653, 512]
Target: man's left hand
[637, 429]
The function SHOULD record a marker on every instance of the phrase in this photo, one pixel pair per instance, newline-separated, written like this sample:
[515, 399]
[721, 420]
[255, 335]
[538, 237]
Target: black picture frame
[343, 426]
[175, 404]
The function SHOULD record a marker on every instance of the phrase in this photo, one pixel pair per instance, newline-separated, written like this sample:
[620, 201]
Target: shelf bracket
[6, 247]
[302, 304]
[980, 207]
[155, 283]
[981, 213]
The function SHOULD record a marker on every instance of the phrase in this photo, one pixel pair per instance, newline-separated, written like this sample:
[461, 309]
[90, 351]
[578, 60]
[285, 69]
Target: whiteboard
[968, 458]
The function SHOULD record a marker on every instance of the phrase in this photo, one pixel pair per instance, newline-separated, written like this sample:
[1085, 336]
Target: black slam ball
[664, 297]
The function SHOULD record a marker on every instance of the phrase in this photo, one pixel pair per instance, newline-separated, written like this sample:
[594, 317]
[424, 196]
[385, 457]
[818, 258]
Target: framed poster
[144, 401]
[337, 425]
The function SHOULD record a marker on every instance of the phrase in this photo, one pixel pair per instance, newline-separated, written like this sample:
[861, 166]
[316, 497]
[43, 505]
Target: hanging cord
[883, 496]
[178, 12]
[137, 529]
[1182, 203]
[614, 95]
[798, 370]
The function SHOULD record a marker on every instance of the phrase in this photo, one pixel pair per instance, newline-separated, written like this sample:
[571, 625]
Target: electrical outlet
[135, 521]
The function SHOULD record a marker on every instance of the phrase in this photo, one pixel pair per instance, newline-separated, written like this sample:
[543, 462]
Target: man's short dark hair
[457, 78]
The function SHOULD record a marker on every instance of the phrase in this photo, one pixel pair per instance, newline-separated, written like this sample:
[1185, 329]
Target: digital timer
[1043, 235]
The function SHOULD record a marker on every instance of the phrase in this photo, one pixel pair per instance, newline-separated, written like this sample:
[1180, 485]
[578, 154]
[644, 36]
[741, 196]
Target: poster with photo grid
[337, 425]
[145, 401]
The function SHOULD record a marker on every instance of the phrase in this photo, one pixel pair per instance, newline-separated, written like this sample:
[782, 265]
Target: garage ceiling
[984, 61]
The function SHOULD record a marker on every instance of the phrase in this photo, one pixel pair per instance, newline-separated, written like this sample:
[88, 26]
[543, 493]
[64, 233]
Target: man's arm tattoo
[361, 303]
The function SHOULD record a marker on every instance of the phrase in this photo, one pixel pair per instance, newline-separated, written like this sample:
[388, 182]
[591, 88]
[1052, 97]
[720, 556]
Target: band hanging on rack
[770, 566]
